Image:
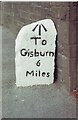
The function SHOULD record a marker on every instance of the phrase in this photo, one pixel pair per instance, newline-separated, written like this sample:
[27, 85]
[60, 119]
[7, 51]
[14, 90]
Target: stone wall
[73, 45]
[17, 14]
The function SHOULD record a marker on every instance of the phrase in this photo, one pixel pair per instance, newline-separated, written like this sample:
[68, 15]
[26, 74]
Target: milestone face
[35, 54]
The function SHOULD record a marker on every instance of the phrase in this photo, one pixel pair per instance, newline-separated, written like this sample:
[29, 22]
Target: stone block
[66, 81]
[73, 83]
[55, 12]
[59, 47]
[72, 13]
[73, 50]
[59, 60]
[65, 50]
[35, 54]
[73, 67]
[59, 4]
[65, 65]
[72, 32]
[63, 32]
[46, 5]
[59, 75]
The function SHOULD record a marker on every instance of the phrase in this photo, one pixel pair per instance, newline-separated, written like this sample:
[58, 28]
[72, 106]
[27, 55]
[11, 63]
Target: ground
[30, 102]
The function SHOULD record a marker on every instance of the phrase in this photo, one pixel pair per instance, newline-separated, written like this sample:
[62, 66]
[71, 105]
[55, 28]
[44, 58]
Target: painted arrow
[39, 28]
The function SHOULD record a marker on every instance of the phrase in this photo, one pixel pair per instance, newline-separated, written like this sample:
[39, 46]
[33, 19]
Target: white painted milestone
[35, 54]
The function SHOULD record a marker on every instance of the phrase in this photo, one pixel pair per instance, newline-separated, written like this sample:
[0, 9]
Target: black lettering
[47, 53]
[48, 74]
[31, 54]
[44, 42]
[51, 54]
[35, 39]
[42, 53]
[36, 73]
[23, 52]
[36, 53]
[38, 63]
[30, 73]
[39, 73]
[43, 74]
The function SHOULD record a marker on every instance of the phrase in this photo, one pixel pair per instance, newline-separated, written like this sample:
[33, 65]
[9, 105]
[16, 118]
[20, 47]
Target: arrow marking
[44, 27]
[35, 28]
[39, 28]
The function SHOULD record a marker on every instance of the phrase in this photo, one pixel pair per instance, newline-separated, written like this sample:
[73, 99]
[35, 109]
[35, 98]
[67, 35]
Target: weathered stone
[35, 53]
